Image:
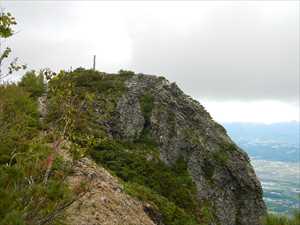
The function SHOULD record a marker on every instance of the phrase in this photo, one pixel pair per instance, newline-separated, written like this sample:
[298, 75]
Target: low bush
[171, 213]
[126, 73]
[25, 196]
[33, 83]
[141, 165]
[18, 121]
[147, 104]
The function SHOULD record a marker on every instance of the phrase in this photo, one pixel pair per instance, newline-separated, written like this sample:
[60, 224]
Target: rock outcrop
[164, 146]
[181, 127]
[105, 202]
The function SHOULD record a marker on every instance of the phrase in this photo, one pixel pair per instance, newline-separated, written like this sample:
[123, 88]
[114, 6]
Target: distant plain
[275, 155]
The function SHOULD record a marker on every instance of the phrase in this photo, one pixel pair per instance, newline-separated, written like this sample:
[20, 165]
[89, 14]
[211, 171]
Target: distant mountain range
[276, 142]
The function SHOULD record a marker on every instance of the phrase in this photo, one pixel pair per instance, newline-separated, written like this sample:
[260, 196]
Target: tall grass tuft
[273, 219]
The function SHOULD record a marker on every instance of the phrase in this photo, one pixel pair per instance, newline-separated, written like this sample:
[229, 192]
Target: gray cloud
[240, 53]
[219, 51]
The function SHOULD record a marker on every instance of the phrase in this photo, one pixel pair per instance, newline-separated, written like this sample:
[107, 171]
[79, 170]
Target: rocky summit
[166, 150]
[181, 127]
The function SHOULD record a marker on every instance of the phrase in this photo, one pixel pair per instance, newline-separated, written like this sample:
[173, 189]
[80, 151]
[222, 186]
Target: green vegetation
[32, 174]
[171, 120]
[170, 188]
[25, 196]
[191, 136]
[7, 22]
[147, 101]
[208, 169]
[274, 219]
[221, 157]
[28, 198]
[33, 190]
[18, 120]
[229, 147]
[147, 104]
[126, 73]
[29, 195]
[207, 213]
[33, 84]
[89, 91]
[171, 213]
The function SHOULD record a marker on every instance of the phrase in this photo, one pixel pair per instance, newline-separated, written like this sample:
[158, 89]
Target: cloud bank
[217, 51]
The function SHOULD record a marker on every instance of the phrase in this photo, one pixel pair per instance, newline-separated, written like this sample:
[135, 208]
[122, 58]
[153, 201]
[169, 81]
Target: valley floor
[281, 184]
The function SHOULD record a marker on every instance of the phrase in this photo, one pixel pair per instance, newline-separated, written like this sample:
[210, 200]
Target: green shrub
[94, 95]
[33, 83]
[229, 147]
[221, 157]
[126, 73]
[207, 213]
[25, 198]
[208, 169]
[140, 164]
[147, 104]
[171, 213]
[18, 121]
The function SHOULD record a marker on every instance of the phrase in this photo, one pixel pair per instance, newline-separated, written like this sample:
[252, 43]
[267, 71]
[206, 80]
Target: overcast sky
[239, 59]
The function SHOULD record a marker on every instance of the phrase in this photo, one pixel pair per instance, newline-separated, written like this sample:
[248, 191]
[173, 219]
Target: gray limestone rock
[182, 127]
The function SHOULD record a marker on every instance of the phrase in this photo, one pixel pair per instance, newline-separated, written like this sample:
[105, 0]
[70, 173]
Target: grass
[275, 219]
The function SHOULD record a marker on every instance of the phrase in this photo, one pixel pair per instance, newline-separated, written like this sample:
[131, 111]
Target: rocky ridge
[180, 126]
[167, 150]
[103, 199]
[105, 202]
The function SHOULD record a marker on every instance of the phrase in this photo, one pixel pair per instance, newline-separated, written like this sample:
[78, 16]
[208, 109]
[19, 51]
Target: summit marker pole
[94, 63]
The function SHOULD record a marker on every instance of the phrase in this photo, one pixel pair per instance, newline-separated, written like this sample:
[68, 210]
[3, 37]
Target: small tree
[33, 83]
[7, 21]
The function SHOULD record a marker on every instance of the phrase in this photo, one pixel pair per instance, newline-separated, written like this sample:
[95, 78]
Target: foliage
[147, 104]
[147, 101]
[77, 95]
[229, 147]
[126, 72]
[22, 189]
[33, 83]
[25, 197]
[68, 112]
[7, 21]
[18, 121]
[208, 169]
[141, 165]
[171, 120]
[191, 136]
[171, 213]
[221, 157]
[274, 219]
[207, 213]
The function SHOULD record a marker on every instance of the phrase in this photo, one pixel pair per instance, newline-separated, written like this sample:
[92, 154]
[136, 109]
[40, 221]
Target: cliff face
[165, 148]
[152, 107]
